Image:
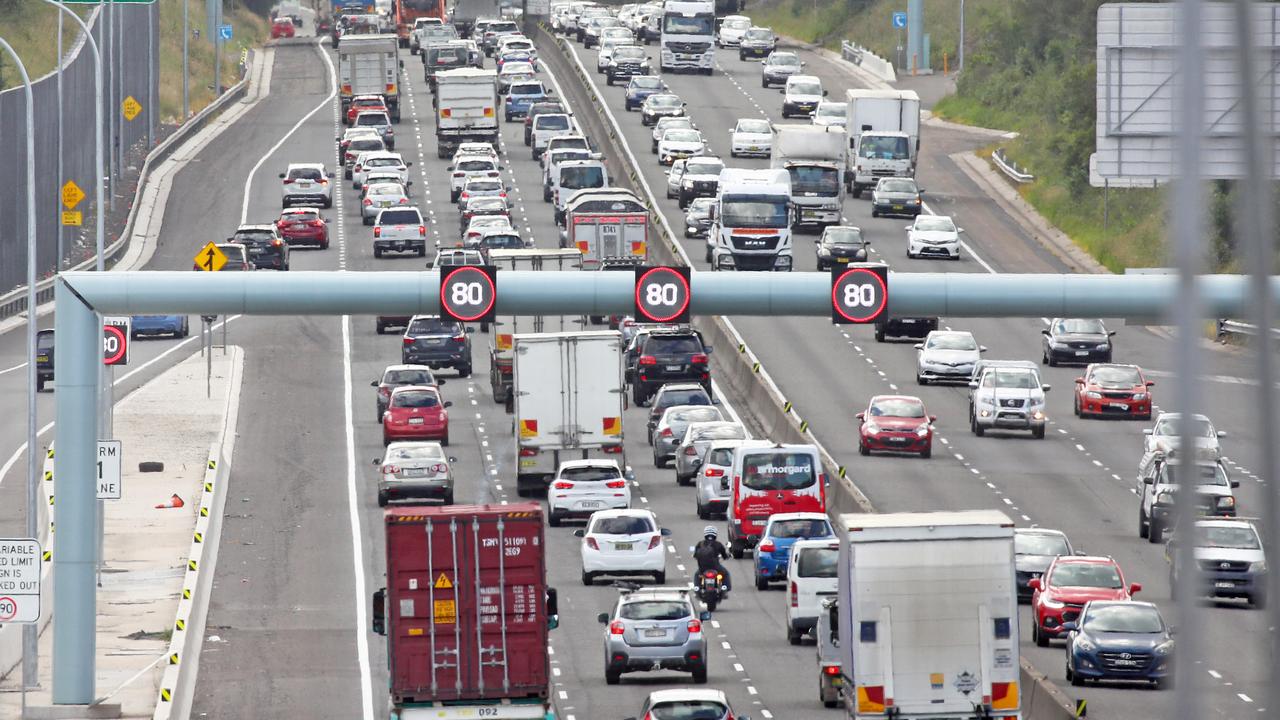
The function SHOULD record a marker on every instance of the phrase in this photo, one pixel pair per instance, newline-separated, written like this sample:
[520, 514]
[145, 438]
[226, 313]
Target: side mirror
[1146, 431]
[933, 418]
[448, 403]
[408, 163]
[1035, 584]
[665, 532]
[959, 229]
[861, 416]
[982, 348]
[1080, 381]
[919, 346]
[377, 461]
[380, 611]
[1173, 629]
[708, 349]
[1135, 588]
[973, 384]
[1111, 333]
[1148, 480]
[1235, 483]
[580, 532]
[704, 615]
[826, 93]
[1151, 383]
[470, 329]
[629, 473]
[1070, 626]
[1046, 387]
[1222, 433]
[408, 183]
[330, 174]
[1044, 333]
[603, 618]
[783, 91]
[453, 459]
[375, 383]
[281, 176]
[803, 63]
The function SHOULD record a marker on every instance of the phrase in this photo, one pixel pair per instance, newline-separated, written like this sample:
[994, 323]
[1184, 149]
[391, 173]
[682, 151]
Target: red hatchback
[416, 412]
[364, 103]
[1071, 581]
[303, 226]
[1113, 390]
[281, 27]
[896, 423]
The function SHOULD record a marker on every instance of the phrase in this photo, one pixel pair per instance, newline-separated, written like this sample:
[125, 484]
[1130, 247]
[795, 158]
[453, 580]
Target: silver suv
[694, 443]
[655, 628]
[1008, 398]
[306, 184]
[1158, 488]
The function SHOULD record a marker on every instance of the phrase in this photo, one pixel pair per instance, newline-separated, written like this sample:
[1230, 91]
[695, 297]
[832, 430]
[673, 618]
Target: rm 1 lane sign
[19, 580]
[663, 294]
[110, 463]
[468, 293]
[115, 340]
[859, 294]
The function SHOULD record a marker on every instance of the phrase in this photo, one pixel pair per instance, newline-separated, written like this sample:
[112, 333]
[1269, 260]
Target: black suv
[668, 356]
[909, 327]
[432, 341]
[1076, 340]
[623, 264]
[265, 246]
[44, 358]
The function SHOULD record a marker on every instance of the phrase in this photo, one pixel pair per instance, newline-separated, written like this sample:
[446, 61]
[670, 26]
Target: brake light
[346, 88]
[384, 391]
[666, 432]
[446, 113]
[528, 452]
[408, 340]
[377, 231]
[615, 627]
[768, 546]
[616, 484]
[715, 472]
[464, 195]
[322, 181]
[831, 670]
[442, 416]
[460, 337]
[795, 595]
[591, 543]
[367, 201]
[358, 168]
[458, 174]
[316, 223]
[288, 181]
[648, 360]
[422, 229]
[695, 626]
[699, 359]
[562, 485]
[653, 542]
[613, 449]
[390, 469]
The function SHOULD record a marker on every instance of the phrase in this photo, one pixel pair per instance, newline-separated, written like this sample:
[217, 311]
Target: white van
[811, 578]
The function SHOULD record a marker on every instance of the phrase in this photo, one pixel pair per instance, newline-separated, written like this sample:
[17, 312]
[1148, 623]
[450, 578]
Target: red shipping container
[466, 603]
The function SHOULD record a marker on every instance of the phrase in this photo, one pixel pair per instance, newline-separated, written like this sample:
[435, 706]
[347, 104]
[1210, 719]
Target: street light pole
[186, 79]
[30, 674]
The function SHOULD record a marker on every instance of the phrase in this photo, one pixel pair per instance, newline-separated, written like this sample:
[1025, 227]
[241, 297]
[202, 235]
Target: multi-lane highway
[302, 550]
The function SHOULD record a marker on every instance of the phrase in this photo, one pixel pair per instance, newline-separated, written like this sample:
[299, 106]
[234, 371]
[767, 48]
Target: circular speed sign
[115, 344]
[663, 294]
[468, 293]
[859, 294]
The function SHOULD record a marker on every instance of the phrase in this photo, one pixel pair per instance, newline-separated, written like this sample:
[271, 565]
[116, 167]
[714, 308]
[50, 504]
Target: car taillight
[613, 449]
[695, 626]
[384, 391]
[831, 670]
[616, 484]
[439, 468]
[323, 181]
[367, 201]
[390, 469]
[648, 360]
[288, 181]
[768, 546]
[591, 543]
[277, 243]
[562, 485]
[615, 627]
[699, 359]
[446, 113]
[666, 432]
[408, 340]
[460, 337]
[493, 174]
[691, 451]
[464, 195]
[357, 169]
[377, 232]
[442, 416]
[715, 472]
[795, 595]
[422, 229]
[653, 541]
[316, 223]
[528, 452]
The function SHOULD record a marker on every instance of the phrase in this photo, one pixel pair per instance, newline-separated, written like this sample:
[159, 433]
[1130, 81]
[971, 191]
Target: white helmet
[710, 531]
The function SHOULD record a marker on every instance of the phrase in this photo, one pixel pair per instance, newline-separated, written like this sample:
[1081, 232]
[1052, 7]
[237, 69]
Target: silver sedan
[378, 196]
[415, 470]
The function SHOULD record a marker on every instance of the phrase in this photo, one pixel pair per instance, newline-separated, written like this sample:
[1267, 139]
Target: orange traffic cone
[174, 502]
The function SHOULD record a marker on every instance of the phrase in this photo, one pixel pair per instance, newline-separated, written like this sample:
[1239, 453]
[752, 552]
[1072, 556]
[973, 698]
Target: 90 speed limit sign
[663, 294]
[859, 294]
[468, 293]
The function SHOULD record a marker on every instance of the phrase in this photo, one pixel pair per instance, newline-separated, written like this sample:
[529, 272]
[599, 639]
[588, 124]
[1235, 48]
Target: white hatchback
[934, 236]
[811, 578]
[582, 487]
[623, 542]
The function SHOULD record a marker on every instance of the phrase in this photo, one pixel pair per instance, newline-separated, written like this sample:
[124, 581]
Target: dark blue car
[641, 87]
[782, 531]
[175, 325]
[1119, 640]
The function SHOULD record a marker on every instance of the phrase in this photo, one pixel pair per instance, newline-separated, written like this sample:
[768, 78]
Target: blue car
[780, 533]
[1119, 640]
[641, 87]
[521, 95]
[175, 325]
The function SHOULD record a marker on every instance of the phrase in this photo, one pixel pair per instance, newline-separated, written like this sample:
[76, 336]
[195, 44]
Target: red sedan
[1113, 390]
[282, 27]
[896, 423]
[303, 226]
[364, 103]
[1071, 581]
[416, 412]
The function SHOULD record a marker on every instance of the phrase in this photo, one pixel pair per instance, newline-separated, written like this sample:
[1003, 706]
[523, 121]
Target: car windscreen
[843, 236]
[704, 167]
[663, 101]
[720, 456]
[446, 56]
[486, 204]
[431, 326]
[1123, 619]
[623, 525]
[629, 53]
[382, 162]
[897, 407]
[810, 179]
[671, 398]
[804, 88]
[504, 242]
[590, 473]
[529, 89]
[1036, 544]
[409, 377]
[747, 212]
[479, 165]
[425, 451]
[552, 122]
[687, 710]
[758, 35]
[400, 217]
[1205, 474]
[799, 528]
[483, 186]
[784, 60]
[951, 341]
[935, 224]
[384, 189]
[818, 562]
[366, 144]
[654, 610]
[1086, 575]
[577, 178]
[835, 110]
[736, 24]
[886, 148]
[659, 345]
[253, 237]
[755, 126]
[720, 432]
[309, 173]
[1082, 327]
[1015, 379]
[1237, 538]
[701, 414]
[778, 470]
[371, 119]
[415, 399]
[1116, 375]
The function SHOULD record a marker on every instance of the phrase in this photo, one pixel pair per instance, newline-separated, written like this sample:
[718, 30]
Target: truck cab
[751, 221]
[573, 176]
[883, 129]
[814, 158]
[688, 35]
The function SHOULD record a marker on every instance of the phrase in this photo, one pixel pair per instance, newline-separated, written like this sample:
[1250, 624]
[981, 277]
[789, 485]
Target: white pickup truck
[400, 230]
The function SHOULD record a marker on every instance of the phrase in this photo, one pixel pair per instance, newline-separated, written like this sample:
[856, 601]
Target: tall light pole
[30, 676]
[186, 77]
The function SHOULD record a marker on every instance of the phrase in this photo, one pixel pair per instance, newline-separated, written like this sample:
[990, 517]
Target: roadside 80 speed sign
[663, 294]
[468, 293]
[859, 293]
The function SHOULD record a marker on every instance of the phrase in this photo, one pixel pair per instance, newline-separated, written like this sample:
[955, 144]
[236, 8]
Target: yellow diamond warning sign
[442, 582]
[130, 108]
[444, 612]
[71, 195]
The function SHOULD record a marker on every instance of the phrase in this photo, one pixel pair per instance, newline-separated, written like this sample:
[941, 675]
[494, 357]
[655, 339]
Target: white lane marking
[248, 184]
[1244, 697]
[1215, 674]
[353, 506]
[11, 369]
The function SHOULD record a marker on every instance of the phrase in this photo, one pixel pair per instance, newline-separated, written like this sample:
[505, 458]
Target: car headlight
[1164, 498]
[823, 251]
[1037, 415]
[1226, 502]
[1140, 396]
[1093, 395]
[1083, 643]
[872, 428]
[1051, 603]
[922, 431]
[1102, 346]
[783, 261]
[1164, 649]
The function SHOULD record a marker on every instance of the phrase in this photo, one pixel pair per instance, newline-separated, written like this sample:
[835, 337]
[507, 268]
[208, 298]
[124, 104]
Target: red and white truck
[466, 612]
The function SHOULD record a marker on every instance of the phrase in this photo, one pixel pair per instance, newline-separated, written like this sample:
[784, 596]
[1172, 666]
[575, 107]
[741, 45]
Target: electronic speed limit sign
[663, 294]
[115, 340]
[859, 294]
[468, 293]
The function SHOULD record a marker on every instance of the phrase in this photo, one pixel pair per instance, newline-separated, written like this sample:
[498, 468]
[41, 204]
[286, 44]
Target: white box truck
[884, 136]
[466, 101]
[568, 400]
[912, 651]
[814, 157]
[370, 65]
[507, 326]
[606, 223]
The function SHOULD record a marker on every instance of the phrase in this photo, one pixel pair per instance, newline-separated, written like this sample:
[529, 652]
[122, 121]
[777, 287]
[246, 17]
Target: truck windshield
[778, 471]
[696, 25]
[758, 212]
[885, 148]
[577, 178]
[821, 180]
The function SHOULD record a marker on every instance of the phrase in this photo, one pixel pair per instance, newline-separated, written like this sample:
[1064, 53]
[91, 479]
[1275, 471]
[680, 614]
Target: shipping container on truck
[466, 103]
[507, 326]
[884, 136]
[466, 612]
[911, 651]
[606, 223]
[568, 398]
[370, 65]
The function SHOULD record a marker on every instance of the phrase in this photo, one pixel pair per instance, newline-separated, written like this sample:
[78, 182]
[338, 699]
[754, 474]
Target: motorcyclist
[709, 552]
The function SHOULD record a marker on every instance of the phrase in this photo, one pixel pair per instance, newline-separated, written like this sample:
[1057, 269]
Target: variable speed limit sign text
[20, 560]
[859, 293]
[663, 294]
[468, 293]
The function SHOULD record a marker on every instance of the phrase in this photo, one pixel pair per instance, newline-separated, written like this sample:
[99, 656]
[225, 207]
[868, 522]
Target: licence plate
[42, 358]
[415, 421]
[1225, 584]
[1081, 353]
[528, 463]
[908, 321]
[674, 368]
[837, 681]
[255, 251]
[1126, 663]
[588, 504]
[1119, 406]
[655, 633]
[622, 546]
[842, 260]
[434, 341]
[304, 185]
[415, 472]
[897, 207]
[754, 148]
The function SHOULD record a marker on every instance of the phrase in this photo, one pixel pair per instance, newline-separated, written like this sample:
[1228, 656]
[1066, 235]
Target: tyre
[764, 83]
[1038, 433]
[708, 254]
[762, 583]
[444, 441]
[879, 333]
[712, 605]
[1144, 528]
[978, 429]
[611, 677]
[863, 450]
[553, 519]
[795, 637]
[366, 221]
[660, 577]
[735, 549]
[659, 462]
[377, 252]
[1155, 532]
[702, 513]
[856, 191]
[588, 579]
[453, 196]
[382, 498]
[1039, 637]
[465, 370]
[927, 453]
[1073, 678]
[700, 674]
[1075, 405]
[920, 380]
[875, 213]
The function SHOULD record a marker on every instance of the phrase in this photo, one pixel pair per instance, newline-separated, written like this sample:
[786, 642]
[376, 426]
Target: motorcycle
[710, 589]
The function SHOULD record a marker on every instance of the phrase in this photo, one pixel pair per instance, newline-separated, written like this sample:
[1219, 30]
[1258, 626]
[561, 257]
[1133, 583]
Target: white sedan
[751, 136]
[623, 542]
[582, 487]
[935, 236]
[676, 144]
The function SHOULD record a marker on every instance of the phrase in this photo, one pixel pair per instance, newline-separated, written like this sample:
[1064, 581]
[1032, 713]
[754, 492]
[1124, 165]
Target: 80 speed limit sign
[468, 293]
[859, 294]
[663, 294]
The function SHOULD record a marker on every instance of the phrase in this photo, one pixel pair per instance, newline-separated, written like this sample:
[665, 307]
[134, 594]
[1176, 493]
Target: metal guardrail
[15, 302]
[1234, 327]
[1010, 168]
[851, 52]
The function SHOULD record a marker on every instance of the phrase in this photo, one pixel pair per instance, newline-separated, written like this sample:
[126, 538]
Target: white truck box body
[507, 326]
[466, 108]
[885, 113]
[928, 614]
[812, 154]
[370, 65]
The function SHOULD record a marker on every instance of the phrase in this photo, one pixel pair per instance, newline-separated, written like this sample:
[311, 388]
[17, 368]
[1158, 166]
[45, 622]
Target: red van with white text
[772, 479]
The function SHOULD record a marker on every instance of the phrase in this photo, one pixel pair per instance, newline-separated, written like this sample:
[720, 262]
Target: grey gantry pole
[30, 675]
[186, 75]
[76, 366]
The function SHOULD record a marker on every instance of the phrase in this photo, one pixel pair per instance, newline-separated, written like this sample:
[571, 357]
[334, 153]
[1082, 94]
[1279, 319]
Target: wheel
[1038, 433]
[735, 549]
[910, 255]
[588, 578]
[1073, 678]
[659, 462]
[1144, 528]
[611, 677]
[366, 220]
[879, 333]
[875, 213]
[1075, 405]
[1155, 532]
[708, 254]
[830, 703]
[764, 83]
[465, 371]
[795, 637]
[377, 252]
[711, 605]
[553, 519]
[382, 498]
[453, 196]
[1039, 637]
[927, 453]
[702, 513]
[863, 450]
[700, 674]
[978, 429]
[444, 442]
[637, 396]
[762, 583]
[920, 380]
[660, 577]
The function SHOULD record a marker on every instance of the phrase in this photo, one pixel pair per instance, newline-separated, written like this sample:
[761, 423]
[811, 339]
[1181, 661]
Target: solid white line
[248, 184]
[1244, 697]
[357, 543]
[15, 367]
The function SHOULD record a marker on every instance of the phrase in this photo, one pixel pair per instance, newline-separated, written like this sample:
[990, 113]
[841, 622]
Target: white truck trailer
[466, 103]
[814, 157]
[370, 65]
[884, 136]
[910, 651]
[568, 400]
